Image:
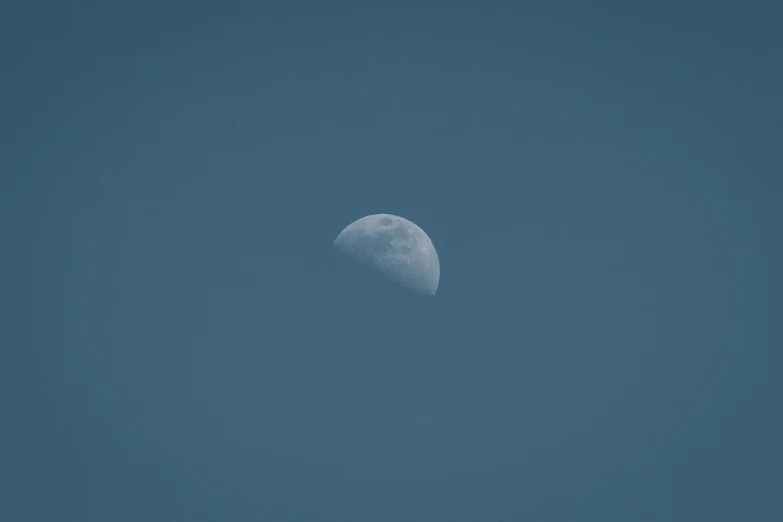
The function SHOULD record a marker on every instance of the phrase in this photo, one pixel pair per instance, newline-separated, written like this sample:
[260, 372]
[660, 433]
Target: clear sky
[179, 341]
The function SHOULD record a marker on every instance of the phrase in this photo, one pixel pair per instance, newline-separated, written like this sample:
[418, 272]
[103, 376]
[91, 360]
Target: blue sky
[180, 341]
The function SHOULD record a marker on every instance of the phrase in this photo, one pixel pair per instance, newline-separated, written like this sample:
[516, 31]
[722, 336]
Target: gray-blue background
[180, 343]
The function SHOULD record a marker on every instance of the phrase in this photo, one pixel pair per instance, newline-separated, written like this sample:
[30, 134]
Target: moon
[396, 247]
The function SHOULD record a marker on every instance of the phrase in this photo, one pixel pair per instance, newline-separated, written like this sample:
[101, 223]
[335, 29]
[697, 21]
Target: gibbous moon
[394, 246]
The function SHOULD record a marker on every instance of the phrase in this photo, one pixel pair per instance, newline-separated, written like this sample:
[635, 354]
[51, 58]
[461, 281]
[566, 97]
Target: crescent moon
[394, 246]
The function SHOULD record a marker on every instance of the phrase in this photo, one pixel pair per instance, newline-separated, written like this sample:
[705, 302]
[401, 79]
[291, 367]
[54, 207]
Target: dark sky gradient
[181, 343]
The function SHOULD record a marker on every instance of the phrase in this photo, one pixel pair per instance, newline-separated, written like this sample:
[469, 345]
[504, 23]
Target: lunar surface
[394, 246]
